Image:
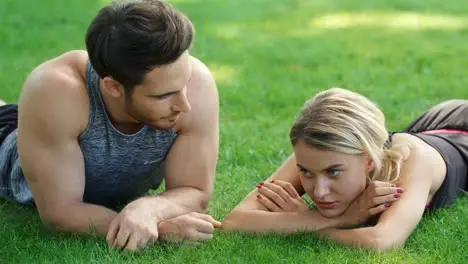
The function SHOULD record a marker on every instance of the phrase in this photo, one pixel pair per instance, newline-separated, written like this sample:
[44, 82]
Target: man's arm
[189, 171]
[191, 162]
[50, 121]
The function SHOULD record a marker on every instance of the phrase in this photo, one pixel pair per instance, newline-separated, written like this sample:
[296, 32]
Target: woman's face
[331, 179]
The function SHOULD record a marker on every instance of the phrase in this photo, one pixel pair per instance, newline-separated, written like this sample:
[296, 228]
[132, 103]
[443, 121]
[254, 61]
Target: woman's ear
[370, 164]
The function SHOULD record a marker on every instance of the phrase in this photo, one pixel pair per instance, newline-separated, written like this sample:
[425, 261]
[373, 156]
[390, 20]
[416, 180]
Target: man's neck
[119, 118]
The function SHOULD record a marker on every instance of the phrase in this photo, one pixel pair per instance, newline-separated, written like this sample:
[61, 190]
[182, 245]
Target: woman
[355, 171]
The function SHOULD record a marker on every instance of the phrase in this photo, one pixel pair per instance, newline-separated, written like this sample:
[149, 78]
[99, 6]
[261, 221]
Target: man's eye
[163, 96]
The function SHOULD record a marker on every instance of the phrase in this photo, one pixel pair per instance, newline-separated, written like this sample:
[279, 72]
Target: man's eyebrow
[164, 94]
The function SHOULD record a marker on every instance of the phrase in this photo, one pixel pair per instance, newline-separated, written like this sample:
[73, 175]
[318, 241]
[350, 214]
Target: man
[98, 128]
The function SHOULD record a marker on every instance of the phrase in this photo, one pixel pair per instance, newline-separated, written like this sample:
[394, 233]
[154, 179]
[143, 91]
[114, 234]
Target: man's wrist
[152, 203]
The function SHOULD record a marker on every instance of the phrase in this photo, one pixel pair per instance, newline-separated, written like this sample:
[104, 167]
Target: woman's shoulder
[419, 154]
[414, 147]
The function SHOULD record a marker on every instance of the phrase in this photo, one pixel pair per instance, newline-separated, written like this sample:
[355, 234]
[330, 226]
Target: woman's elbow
[387, 244]
[382, 242]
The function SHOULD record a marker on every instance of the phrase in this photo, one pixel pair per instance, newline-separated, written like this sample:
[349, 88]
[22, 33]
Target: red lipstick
[325, 205]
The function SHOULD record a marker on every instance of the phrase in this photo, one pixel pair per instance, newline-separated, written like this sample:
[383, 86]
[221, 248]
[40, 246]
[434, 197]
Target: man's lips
[173, 116]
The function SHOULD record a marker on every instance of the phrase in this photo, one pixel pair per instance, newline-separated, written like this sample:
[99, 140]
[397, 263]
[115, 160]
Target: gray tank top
[118, 167]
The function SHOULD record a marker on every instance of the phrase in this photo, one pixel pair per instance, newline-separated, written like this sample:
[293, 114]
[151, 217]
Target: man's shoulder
[202, 95]
[57, 85]
[201, 75]
[67, 69]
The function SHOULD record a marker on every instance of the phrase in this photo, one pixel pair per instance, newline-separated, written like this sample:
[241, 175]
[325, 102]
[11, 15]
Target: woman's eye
[306, 173]
[334, 173]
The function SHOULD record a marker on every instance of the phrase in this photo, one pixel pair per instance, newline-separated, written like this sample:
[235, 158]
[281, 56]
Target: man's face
[162, 97]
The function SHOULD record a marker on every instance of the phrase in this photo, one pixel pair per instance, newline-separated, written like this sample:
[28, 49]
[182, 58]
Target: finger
[204, 236]
[379, 209]
[267, 203]
[217, 224]
[382, 184]
[112, 232]
[388, 190]
[288, 187]
[203, 226]
[200, 236]
[144, 241]
[208, 218]
[285, 196]
[376, 201]
[122, 238]
[148, 238]
[153, 235]
[151, 240]
[273, 196]
[133, 242]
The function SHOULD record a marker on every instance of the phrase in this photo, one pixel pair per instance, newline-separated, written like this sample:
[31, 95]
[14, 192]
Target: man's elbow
[205, 201]
[57, 217]
[54, 221]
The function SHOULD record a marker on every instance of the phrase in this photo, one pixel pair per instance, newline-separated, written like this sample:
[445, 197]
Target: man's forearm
[258, 221]
[83, 218]
[179, 201]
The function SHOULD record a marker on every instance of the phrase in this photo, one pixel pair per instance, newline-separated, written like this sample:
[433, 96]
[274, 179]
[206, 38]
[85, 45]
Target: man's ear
[112, 87]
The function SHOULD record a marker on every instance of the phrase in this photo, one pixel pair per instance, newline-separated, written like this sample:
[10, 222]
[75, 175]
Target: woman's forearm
[262, 222]
[368, 237]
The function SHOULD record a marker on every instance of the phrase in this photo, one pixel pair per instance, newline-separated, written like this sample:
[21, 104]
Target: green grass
[268, 57]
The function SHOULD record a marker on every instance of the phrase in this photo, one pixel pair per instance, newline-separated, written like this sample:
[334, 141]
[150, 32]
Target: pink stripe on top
[450, 131]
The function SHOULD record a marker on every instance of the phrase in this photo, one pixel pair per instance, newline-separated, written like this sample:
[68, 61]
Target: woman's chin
[330, 213]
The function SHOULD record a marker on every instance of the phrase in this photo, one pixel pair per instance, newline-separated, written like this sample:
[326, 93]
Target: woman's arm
[277, 206]
[263, 222]
[252, 216]
[397, 223]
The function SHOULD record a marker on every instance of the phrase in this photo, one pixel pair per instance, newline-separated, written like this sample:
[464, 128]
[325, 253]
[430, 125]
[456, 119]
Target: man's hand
[188, 227]
[280, 196]
[375, 199]
[135, 227]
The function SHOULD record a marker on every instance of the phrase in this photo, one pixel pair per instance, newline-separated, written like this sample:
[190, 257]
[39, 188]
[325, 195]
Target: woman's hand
[280, 196]
[375, 199]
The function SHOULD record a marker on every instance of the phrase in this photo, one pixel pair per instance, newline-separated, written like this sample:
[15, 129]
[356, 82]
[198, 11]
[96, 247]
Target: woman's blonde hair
[343, 121]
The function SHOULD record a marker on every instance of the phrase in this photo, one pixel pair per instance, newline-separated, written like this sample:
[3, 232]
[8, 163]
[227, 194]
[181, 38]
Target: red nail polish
[259, 197]
[259, 186]
[261, 183]
[272, 181]
[388, 204]
[396, 195]
[399, 190]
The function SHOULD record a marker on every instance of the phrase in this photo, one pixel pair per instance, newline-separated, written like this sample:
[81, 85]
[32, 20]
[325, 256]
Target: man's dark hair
[127, 39]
